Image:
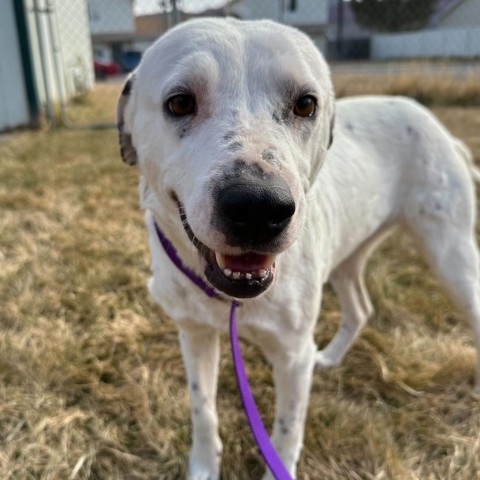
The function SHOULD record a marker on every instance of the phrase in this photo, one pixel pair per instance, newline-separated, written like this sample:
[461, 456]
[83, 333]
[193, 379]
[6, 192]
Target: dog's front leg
[292, 374]
[200, 350]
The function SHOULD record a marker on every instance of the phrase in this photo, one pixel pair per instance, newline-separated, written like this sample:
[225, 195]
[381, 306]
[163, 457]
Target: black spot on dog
[194, 386]
[183, 130]
[228, 136]
[127, 87]
[284, 114]
[272, 157]
[268, 156]
[235, 146]
[332, 126]
[350, 127]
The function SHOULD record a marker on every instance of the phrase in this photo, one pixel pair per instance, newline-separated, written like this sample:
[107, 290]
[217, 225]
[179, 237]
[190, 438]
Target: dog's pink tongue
[247, 262]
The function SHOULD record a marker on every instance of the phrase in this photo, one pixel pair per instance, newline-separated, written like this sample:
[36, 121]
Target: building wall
[253, 10]
[13, 104]
[306, 12]
[448, 42]
[466, 14]
[111, 16]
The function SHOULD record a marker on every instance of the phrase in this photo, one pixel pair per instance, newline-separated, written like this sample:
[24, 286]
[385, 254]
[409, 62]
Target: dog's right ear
[127, 150]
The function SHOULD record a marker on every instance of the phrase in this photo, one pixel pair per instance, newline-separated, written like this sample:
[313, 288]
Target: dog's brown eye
[305, 106]
[181, 105]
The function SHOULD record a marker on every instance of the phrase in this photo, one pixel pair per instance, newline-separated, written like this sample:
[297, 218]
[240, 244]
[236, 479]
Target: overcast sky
[151, 6]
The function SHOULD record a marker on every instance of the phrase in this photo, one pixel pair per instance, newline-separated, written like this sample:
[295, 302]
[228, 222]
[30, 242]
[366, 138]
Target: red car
[105, 69]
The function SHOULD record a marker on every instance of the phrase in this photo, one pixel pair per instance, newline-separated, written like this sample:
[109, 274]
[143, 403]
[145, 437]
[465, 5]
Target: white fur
[391, 163]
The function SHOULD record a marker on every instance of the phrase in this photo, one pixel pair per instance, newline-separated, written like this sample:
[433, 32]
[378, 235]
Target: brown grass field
[92, 384]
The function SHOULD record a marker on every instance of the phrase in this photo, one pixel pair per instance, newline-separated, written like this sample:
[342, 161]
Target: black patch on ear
[332, 126]
[128, 86]
[127, 150]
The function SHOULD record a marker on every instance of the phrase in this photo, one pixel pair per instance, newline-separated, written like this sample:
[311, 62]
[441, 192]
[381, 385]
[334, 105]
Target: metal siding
[443, 42]
[466, 14]
[13, 100]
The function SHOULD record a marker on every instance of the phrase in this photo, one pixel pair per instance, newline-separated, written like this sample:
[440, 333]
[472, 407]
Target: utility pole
[340, 12]
[176, 18]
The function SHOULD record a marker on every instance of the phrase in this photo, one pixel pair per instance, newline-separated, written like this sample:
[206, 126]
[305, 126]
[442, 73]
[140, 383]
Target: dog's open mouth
[240, 276]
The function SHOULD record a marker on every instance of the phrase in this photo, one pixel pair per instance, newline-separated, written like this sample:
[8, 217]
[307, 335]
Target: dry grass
[427, 88]
[91, 377]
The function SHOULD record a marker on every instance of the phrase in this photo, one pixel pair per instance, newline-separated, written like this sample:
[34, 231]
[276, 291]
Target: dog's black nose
[255, 210]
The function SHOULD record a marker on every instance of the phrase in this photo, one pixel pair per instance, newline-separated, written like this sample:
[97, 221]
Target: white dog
[230, 123]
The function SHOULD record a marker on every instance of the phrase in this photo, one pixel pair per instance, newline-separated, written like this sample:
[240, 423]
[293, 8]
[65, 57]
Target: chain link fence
[366, 32]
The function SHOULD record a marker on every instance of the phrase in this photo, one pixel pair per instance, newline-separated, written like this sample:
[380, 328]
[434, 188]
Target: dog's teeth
[236, 275]
[248, 276]
[227, 272]
[220, 260]
[269, 263]
[262, 273]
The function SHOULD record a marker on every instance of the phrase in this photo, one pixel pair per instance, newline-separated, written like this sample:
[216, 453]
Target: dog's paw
[269, 476]
[323, 361]
[199, 472]
[205, 459]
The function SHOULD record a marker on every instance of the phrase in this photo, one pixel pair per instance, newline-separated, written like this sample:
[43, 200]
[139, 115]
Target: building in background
[453, 31]
[48, 59]
[149, 27]
[112, 27]
[119, 36]
[310, 16]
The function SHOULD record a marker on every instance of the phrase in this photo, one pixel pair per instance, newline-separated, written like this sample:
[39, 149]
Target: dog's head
[229, 123]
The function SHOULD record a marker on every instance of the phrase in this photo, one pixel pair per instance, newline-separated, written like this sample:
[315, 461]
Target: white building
[311, 16]
[48, 59]
[112, 26]
[453, 32]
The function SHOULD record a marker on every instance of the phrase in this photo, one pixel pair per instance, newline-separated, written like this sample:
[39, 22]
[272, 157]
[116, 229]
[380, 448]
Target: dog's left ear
[332, 126]
[127, 150]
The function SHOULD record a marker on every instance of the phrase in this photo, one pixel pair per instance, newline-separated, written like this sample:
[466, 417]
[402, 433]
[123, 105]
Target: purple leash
[255, 422]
